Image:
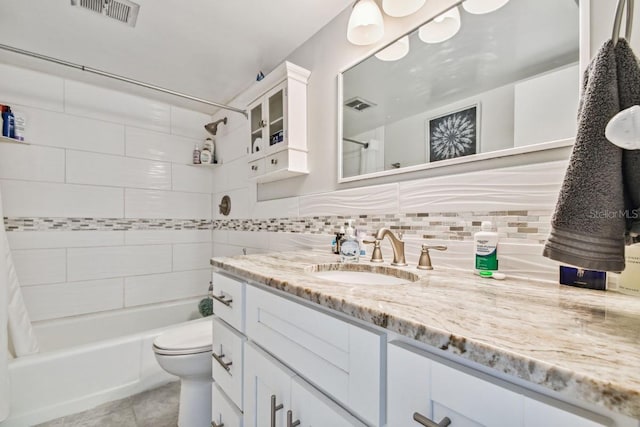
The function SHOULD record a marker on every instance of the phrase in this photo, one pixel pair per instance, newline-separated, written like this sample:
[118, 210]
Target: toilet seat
[188, 339]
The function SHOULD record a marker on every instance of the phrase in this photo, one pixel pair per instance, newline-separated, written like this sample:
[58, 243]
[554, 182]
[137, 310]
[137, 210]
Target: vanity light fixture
[399, 8]
[365, 23]
[395, 51]
[441, 28]
[479, 7]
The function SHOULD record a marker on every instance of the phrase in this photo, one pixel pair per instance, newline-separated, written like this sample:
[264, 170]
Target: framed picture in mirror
[454, 134]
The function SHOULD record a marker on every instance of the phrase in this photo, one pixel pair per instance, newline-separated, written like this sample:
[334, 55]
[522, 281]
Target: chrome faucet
[396, 244]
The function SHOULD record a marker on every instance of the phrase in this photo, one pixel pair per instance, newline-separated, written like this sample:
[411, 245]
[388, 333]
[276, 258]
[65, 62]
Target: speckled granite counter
[582, 343]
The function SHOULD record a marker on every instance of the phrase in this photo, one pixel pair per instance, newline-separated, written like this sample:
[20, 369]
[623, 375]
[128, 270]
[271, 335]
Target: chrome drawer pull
[290, 422]
[214, 424]
[274, 161]
[225, 365]
[274, 409]
[220, 298]
[421, 419]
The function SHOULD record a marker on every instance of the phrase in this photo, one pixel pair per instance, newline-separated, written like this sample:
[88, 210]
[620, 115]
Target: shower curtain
[15, 325]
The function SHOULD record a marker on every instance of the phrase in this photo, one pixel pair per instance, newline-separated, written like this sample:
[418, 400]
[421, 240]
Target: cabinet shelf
[274, 121]
[257, 132]
[12, 141]
[205, 165]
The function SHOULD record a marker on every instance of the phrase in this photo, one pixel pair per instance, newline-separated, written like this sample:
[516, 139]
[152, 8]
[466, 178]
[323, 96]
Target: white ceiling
[211, 49]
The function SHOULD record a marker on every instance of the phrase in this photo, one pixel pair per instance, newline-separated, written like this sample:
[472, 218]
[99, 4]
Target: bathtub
[89, 360]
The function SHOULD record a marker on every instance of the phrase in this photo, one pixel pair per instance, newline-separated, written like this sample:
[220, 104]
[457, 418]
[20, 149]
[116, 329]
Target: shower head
[212, 127]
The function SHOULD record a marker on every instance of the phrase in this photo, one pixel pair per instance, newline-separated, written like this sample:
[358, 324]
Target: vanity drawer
[228, 360]
[257, 167]
[228, 300]
[277, 161]
[223, 412]
[342, 359]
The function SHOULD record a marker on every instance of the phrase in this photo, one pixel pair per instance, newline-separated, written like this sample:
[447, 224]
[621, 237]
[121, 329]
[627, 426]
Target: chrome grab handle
[214, 424]
[290, 422]
[220, 298]
[274, 409]
[225, 365]
[421, 419]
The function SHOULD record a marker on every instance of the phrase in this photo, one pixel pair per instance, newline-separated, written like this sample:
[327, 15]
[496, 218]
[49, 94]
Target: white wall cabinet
[274, 392]
[419, 384]
[278, 125]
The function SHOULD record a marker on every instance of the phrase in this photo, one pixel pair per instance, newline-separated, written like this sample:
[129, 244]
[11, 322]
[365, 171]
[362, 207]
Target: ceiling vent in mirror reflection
[121, 10]
[359, 104]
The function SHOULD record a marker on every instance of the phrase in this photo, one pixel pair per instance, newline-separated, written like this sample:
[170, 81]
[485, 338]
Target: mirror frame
[584, 58]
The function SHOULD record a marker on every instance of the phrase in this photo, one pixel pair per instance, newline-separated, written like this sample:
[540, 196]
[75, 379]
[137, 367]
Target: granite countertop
[582, 343]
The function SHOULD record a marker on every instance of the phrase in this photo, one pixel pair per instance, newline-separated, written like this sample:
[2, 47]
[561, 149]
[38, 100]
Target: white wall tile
[377, 199]
[232, 175]
[156, 288]
[31, 163]
[226, 249]
[64, 239]
[161, 237]
[232, 140]
[252, 239]
[166, 204]
[27, 87]
[146, 144]
[118, 261]
[189, 123]
[71, 299]
[40, 266]
[192, 179]
[36, 199]
[220, 236]
[279, 242]
[279, 208]
[68, 131]
[523, 187]
[106, 104]
[191, 256]
[117, 171]
[239, 204]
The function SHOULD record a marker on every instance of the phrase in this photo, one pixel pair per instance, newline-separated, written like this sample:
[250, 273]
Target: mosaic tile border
[519, 226]
[103, 224]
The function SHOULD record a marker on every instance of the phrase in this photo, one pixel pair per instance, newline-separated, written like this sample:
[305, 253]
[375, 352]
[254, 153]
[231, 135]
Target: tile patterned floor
[157, 408]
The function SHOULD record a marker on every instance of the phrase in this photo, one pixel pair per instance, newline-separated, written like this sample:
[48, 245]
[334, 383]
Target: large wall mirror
[463, 86]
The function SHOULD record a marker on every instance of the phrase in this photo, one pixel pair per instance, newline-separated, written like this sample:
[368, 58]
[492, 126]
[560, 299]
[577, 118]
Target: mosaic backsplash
[532, 226]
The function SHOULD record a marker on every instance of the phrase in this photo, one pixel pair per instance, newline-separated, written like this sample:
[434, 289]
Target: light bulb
[479, 7]
[399, 8]
[441, 28]
[395, 51]
[365, 23]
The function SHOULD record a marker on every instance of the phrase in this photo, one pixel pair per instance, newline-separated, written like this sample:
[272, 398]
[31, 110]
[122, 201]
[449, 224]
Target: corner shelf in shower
[12, 141]
[204, 165]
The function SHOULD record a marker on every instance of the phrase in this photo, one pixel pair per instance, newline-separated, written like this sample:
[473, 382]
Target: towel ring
[618, 21]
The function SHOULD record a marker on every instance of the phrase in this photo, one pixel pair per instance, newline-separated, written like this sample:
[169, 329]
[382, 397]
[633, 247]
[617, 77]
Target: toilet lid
[192, 338]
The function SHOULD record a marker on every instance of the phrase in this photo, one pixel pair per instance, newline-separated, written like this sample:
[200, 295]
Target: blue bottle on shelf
[8, 123]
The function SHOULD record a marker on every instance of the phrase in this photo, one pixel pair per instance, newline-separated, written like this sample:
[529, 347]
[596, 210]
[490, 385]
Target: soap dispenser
[350, 248]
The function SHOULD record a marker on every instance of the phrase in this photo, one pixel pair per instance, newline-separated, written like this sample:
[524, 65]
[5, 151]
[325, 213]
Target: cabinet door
[276, 115]
[408, 385]
[314, 409]
[257, 126]
[537, 413]
[267, 385]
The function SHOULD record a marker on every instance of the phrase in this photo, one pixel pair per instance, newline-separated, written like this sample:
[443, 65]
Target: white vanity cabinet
[277, 397]
[419, 384]
[278, 124]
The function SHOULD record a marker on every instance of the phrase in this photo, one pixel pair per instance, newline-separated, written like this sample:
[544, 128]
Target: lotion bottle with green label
[486, 248]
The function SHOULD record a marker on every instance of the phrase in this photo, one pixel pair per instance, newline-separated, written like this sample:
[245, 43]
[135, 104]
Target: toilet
[185, 352]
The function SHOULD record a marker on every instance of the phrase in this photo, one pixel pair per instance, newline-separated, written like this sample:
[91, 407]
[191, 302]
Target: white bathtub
[89, 360]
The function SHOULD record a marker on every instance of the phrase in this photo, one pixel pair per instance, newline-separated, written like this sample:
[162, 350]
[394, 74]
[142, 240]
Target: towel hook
[618, 21]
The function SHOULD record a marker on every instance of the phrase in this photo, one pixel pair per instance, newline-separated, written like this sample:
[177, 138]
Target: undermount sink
[361, 274]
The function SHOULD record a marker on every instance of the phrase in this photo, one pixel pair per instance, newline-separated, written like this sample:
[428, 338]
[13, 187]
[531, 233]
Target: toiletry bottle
[629, 280]
[350, 249]
[360, 237]
[205, 156]
[485, 244]
[8, 123]
[20, 124]
[339, 238]
[196, 155]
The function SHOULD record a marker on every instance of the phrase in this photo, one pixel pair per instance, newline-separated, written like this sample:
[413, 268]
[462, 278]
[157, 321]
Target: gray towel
[588, 226]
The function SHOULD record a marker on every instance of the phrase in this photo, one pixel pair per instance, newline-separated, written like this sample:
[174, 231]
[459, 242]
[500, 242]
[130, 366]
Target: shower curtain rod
[121, 78]
[355, 141]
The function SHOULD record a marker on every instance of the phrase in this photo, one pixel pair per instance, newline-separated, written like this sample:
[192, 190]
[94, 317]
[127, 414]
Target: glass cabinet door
[257, 125]
[276, 116]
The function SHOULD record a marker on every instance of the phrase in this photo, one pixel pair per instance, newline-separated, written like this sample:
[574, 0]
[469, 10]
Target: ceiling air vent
[124, 11]
[359, 104]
